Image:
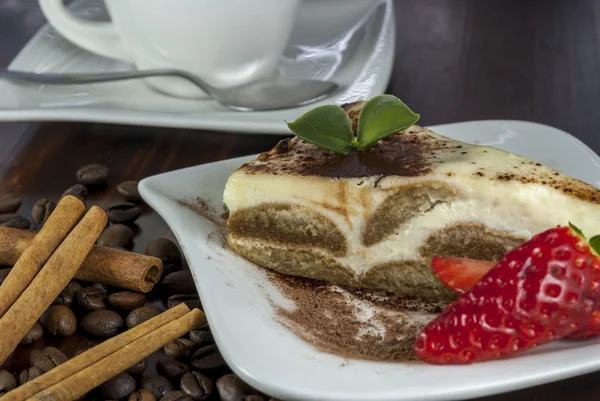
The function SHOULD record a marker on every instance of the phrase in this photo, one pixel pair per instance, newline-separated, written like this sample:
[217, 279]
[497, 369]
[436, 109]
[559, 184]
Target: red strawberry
[460, 274]
[541, 291]
[591, 330]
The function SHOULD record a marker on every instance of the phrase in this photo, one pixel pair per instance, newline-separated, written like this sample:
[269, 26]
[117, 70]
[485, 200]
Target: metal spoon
[269, 94]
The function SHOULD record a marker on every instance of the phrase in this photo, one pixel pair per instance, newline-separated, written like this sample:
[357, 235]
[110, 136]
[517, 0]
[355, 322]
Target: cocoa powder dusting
[352, 324]
[204, 209]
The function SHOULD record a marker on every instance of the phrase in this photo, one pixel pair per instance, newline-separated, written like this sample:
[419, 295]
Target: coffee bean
[168, 269]
[7, 382]
[9, 203]
[202, 336]
[78, 191]
[180, 282]
[191, 300]
[8, 216]
[47, 359]
[232, 388]
[126, 300]
[116, 236]
[164, 249]
[92, 174]
[196, 385]
[138, 368]
[42, 210]
[176, 396]
[172, 369]
[180, 348]
[140, 315]
[129, 191]
[208, 357]
[68, 294]
[142, 395]
[119, 387]
[13, 220]
[29, 374]
[3, 273]
[102, 323]
[125, 213]
[34, 334]
[91, 298]
[104, 287]
[59, 320]
[157, 385]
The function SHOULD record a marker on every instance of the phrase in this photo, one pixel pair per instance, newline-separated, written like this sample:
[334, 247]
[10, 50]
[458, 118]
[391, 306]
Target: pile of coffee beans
[9, 204]
[85, 314]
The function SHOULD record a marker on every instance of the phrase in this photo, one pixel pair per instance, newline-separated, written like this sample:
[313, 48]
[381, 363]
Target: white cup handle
[98, 37]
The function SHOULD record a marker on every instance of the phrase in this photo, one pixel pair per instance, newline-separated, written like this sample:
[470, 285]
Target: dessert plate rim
[228, 285]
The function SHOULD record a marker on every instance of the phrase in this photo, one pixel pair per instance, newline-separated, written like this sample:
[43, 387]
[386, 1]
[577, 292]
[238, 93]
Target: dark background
[456, 60]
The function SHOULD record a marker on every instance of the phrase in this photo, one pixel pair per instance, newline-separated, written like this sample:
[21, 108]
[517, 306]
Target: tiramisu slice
[373, 218]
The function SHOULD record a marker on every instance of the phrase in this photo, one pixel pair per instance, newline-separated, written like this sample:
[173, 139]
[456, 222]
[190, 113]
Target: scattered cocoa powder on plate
[203, 208]
[352, 324]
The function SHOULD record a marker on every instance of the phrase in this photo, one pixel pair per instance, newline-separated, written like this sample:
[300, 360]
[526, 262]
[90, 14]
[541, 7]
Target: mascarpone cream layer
[510, 206]
[500, 190]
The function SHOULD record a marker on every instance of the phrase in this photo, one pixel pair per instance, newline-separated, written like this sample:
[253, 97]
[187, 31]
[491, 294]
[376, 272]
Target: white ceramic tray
[350, 42]
[235, 295]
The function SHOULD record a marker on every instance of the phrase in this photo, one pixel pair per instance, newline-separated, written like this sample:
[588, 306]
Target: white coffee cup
[225, 42]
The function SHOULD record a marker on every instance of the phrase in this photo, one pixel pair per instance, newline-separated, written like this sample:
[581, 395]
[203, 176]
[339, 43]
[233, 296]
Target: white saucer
[350, 42]
[235, 295]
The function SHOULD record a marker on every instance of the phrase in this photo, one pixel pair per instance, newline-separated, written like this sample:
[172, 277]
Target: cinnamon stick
[85, 380]
[110, 266]
[93, 355]
[62, 220]
[56, 273]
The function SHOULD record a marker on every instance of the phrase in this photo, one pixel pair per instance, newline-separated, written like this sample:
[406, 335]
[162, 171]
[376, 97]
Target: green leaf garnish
[595, 244]
[576, 229]
[382, 116]
[327, 126]
[330, 127]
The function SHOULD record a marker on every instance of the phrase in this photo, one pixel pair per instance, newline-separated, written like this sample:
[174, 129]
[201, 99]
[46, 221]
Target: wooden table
[456, 60]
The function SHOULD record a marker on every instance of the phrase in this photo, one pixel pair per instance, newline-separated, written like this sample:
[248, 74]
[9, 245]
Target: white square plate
[235, 294]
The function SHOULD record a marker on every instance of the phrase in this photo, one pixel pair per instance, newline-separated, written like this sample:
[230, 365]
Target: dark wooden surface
[456, 60]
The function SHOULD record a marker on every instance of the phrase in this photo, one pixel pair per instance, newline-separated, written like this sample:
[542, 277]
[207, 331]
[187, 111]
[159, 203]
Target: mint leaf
[576, 229]
[382, 116]
[327, 126]
[595, 244]
[330, 127]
